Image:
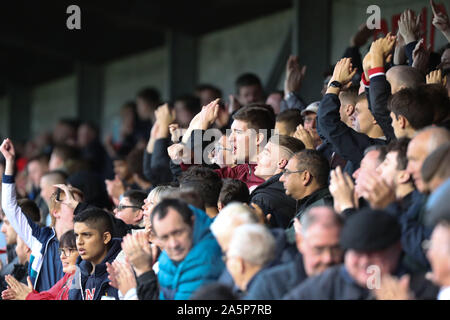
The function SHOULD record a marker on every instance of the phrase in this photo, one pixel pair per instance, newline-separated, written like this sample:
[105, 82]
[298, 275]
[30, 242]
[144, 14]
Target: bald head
[423, 144]
[400, 77]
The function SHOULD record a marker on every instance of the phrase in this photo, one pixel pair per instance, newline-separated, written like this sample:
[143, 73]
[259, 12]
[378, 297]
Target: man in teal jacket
[191, 256]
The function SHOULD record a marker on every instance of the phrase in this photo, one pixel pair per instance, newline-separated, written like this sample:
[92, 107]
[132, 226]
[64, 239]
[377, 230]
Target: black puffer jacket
[271, 197]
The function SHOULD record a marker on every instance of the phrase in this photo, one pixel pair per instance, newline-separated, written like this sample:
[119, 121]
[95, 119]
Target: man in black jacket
[305, 178]
[347, 142]
[271, 196]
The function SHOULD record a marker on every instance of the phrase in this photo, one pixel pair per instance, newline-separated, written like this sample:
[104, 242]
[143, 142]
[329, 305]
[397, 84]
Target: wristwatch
[335, 84]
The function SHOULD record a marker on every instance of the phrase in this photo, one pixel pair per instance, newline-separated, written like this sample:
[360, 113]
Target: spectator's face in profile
[292, 181]
[320, 248]
[240, 141]
[22, 251]
[416, 154]
[223, 153]
[439, 254]
[128, 212]
[35, 172]
[8, 230]
[121, 169]
[367, 267]
[68, 258]
[368, 164]
[362, 118]
[388, 169]
[274, 99]
[91, 245]
[174, 235]
[268, 160]
[250, 94]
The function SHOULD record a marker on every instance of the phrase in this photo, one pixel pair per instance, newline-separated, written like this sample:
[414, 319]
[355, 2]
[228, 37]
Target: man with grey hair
[251, 248]
[236, 214]
[317, 239]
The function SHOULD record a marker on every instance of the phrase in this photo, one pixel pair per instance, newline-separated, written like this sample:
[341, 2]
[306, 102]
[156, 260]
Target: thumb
[404, 281]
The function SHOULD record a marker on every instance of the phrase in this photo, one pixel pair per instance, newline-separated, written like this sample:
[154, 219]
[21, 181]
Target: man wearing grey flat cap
[371, 239]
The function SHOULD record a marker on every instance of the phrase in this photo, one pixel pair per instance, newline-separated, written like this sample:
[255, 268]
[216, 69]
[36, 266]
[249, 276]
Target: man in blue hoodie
[93, 229]
[191, 256]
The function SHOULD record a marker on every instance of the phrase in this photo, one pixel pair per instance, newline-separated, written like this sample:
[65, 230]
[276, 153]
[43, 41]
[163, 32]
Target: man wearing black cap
[372, 243]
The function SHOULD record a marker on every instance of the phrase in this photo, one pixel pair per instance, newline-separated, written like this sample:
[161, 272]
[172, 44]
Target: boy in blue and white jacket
[45, 267]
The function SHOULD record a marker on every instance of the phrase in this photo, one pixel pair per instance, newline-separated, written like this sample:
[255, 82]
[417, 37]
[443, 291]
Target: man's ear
[107, 237]
[193, 219]
[403, 122]
[259, 138]
[298, 241]
[219, 205]
[139, 215]
[403, 177]
[282, 163]
[349, 109]
[306, 177]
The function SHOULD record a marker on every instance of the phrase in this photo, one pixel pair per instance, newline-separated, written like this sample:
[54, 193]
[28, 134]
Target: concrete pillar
[312, 43]
[182, 63]
[89, 92]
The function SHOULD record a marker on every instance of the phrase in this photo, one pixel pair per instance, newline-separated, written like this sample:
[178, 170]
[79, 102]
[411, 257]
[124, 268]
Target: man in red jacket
[251, 128]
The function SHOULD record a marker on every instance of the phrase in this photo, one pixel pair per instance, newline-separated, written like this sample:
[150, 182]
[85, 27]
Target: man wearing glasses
[130, 210]
[305, 178]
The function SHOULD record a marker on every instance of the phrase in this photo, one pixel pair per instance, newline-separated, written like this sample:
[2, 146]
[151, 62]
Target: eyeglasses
[286, 172]
[120, 207]
[67, 252]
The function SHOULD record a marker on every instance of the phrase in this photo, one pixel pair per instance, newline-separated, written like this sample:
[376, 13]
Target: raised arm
[22, 224]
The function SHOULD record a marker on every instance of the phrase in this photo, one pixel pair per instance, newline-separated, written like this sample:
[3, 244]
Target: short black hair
[291, 119]
[96, 218]
[247, 79]
[207, 86]
[191, 102]
[315, 163]
[162, 208]
[205, 181]
[136, 197]
[400, 146]
[68, 240]
[150, 95]
[233, 190]
[30, 208]
[412, 104]
[257, 117]
[41, 158]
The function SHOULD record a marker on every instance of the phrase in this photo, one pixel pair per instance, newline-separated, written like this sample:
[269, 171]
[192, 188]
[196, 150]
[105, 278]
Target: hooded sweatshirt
[203, 263]
[95, 286]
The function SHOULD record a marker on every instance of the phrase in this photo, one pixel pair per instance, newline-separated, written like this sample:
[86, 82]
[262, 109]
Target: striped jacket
[45, 267]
